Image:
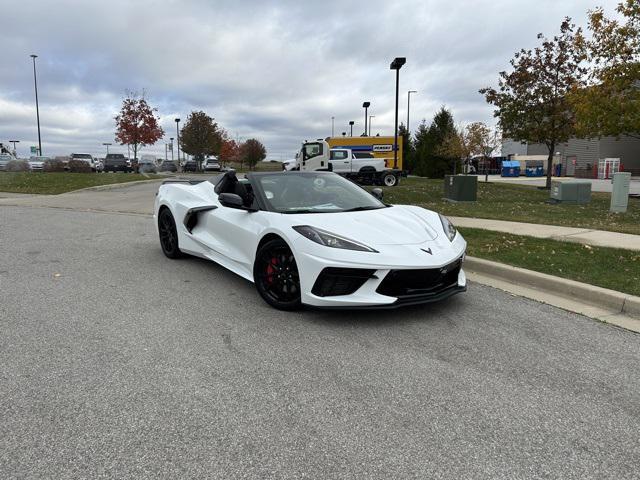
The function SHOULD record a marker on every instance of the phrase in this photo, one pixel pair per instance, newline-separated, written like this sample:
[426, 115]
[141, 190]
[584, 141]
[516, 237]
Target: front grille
[334, 281]
[422, 282]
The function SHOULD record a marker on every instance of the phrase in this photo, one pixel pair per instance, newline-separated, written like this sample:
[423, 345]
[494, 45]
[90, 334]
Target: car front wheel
[275, 273]
[168, 234]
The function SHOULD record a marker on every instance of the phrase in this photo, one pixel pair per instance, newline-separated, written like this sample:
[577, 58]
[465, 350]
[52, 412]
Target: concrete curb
[601, 299]
[112, 186]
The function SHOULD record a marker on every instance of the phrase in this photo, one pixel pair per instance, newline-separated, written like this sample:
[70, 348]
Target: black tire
[389, 180]
[275, 274]
[168, 234]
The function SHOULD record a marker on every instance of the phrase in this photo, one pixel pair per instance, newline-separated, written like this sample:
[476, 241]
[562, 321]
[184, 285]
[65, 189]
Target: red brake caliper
[270, 270]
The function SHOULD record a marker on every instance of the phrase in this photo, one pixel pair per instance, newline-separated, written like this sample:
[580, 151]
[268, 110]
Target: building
[579, 157]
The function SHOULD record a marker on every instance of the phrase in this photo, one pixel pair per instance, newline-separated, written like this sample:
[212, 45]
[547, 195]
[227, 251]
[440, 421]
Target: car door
[232, 235]
[340, 161]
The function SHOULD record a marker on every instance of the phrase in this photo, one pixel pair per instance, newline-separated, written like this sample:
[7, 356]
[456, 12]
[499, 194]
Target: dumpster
[510, 168]
[534, 168]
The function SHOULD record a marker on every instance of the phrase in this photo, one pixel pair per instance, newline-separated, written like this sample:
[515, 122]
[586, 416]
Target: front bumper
[374, 292]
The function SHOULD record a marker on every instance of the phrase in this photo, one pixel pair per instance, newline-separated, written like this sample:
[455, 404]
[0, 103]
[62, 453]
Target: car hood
[397, 225]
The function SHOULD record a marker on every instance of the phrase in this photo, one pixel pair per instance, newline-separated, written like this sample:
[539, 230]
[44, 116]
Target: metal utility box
[620, 192]
[461, 188]
[575, 191]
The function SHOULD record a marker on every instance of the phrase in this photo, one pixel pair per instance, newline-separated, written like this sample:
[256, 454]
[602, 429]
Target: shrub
[53, 165]
[18, 166]
[79, 166]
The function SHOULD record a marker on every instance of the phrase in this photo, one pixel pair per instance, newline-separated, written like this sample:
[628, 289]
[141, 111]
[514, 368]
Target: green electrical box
[574, 191]
[620, 192]
[461, 188]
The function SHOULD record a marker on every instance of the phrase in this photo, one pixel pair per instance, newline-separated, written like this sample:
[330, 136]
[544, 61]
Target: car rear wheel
[275, 273]
[168, 234]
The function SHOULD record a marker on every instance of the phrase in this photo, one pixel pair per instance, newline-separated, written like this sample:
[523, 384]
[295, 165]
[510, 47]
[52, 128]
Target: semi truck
[364, 169]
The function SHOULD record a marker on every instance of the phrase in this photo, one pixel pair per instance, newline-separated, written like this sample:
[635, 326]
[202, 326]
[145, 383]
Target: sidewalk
[597, 185]
[597, 238]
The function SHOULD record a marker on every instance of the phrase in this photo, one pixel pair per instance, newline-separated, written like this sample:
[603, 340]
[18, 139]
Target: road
[116, 362]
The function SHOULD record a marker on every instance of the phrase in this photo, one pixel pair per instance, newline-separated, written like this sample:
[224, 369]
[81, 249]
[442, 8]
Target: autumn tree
[531, 101]
[610, 103]
[252, 151]
[228, 151]
[200, 136]
[472, 140]
[137, 124]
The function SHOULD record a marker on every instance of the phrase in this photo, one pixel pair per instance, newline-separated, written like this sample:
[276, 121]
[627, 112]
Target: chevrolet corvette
[313, 238]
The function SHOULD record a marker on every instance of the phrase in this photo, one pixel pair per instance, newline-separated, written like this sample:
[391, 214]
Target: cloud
[274, 71]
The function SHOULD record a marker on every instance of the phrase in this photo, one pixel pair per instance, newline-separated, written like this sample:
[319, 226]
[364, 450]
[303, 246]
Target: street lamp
[14, 146]
[370, 117]
[178, 137]
[171, 146]
[351, 125]
[35, 84]
[332, 125]
[107, 145]
[365, 105]
[408, 103]
[396, 65]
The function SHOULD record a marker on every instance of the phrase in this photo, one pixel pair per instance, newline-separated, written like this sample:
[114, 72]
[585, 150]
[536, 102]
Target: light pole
[171, 146]
[107, 145]
[351, 125]
[35, 84]
[178, 138]
[365, 105]
[332, 125]
[370, 117]
[396, 65]
[15, 152]
[408, 104]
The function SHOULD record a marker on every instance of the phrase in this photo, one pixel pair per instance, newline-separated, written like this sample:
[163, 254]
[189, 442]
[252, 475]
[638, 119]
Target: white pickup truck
[360, 168]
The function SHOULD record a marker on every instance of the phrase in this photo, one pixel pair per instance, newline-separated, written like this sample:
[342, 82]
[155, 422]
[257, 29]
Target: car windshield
[80, 155]
[308, 192]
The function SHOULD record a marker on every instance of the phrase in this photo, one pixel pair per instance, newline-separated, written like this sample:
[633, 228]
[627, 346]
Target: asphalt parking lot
[116, 362]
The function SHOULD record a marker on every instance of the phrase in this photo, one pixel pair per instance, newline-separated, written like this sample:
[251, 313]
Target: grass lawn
[612, 268]
[54, 182]
[518, 203]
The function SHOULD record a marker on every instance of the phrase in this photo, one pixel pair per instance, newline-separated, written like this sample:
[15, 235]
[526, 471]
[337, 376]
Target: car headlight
[330, 239]
[448, 227]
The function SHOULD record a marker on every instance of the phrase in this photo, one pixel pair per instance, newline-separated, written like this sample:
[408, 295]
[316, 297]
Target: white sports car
[313, 238]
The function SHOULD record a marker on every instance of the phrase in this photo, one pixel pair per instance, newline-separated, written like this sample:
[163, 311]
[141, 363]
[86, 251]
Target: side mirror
[378, 193]
[231, 200]
[330, 167]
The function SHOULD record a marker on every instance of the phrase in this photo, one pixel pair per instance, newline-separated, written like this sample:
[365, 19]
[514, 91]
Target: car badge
[427, 250]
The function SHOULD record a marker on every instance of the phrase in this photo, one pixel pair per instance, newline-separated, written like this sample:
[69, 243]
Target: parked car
[4, 159]
[37, 163]
[313, 238]
[86, 158]
[147, 164]
[211, 165]
[116, 162]
[99, 165]
[168, 166]
[190, 166]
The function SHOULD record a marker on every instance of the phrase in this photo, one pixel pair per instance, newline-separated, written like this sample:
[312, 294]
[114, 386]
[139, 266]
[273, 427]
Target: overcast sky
[276, 71]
